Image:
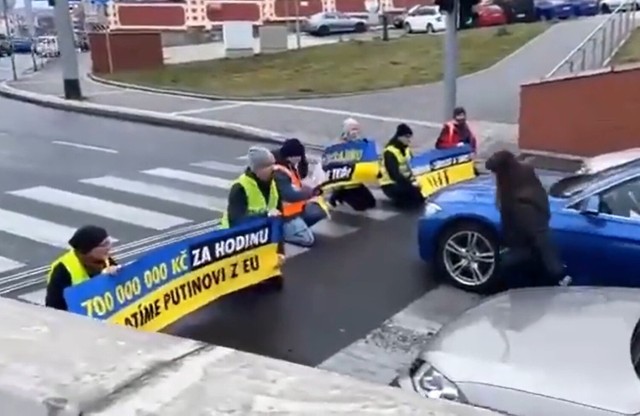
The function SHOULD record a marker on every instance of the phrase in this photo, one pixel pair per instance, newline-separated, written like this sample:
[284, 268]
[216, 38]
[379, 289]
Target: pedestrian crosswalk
[36, 222]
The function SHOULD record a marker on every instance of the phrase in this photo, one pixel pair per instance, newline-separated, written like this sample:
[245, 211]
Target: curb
[233, 130]
[189, 94]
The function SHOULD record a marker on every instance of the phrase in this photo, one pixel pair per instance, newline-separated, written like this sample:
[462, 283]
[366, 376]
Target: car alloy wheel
[469, 258]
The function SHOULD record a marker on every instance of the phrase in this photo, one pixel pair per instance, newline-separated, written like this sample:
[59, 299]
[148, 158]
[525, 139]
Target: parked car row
[324, 24]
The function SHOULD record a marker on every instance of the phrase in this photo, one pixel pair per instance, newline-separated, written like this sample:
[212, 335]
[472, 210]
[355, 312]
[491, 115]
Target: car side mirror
[591, 206]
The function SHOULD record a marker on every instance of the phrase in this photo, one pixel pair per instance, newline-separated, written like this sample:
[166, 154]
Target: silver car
[323, 24]
[554, 351]
[608, 160]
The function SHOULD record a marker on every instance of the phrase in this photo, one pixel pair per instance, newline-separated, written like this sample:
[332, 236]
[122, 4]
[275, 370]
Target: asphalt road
[333, 296]
[49, 162]
[23, 63]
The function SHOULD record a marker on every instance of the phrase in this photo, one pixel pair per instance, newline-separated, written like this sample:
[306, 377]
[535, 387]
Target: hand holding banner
[168, 284]
[350, 163]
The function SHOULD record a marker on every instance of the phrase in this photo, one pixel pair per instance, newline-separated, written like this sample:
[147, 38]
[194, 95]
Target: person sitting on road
[255, 193]
[396, 180]
[300, 212]
[456, 132]
[358, 197]
[88, 257]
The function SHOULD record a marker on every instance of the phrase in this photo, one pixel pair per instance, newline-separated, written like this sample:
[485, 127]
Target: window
[622, 200]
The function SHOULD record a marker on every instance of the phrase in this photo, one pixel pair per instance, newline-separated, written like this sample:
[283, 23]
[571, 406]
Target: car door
[331, 21]
[601, 246]
[344, 22]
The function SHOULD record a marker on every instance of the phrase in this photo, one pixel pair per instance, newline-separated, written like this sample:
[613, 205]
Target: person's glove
[281, 259]
[274, 213]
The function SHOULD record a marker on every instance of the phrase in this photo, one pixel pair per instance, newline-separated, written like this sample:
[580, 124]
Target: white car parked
[426, 19]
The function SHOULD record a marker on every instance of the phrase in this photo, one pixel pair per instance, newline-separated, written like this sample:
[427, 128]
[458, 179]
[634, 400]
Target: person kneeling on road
[88, 257]
[254, 194]
[299, 210]
[396, 180]
[358, 197]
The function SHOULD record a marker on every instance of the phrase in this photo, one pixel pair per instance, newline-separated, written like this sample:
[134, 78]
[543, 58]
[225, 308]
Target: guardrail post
[583, 64]
[612, 38]
[594, 53]
[603, 58]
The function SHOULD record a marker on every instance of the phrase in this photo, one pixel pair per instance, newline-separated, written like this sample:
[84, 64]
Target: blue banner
[435, 159]
[171, 282]
[355, 151]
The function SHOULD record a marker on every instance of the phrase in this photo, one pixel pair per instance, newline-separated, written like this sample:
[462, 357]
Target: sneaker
[565, 281]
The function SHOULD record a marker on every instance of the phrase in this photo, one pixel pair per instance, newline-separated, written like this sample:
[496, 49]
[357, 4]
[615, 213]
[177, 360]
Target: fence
[597, 49]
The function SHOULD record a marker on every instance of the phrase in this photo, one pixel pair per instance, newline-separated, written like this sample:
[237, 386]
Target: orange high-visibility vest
[291, 209]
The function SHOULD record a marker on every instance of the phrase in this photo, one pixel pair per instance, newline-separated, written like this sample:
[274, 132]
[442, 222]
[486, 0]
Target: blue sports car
[595, 223]
[553, 9]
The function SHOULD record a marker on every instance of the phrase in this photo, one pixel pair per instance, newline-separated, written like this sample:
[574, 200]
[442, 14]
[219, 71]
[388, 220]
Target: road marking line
[332, 229]
[219, 166]
[161, 192]
[185, 176]
[36, 297]
[292, 250]
[345, 113]
[9, 264]
[207, 109]
[101, 207]
[377, 214]
[35, 229]
[394, 345]
[85, 146]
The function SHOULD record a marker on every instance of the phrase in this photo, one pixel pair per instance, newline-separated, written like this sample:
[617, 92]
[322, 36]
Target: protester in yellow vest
[89, 256]
[255, 193]
[396, 180]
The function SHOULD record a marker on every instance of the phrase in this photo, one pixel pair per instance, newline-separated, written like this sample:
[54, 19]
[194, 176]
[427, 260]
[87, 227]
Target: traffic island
[335, 69]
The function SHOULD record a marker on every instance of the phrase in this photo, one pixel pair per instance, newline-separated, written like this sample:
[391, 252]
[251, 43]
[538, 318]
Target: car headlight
[430, 383]
[431, 208]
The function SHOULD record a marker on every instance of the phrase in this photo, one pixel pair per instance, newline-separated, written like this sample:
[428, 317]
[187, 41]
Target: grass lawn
[630, 51]
[338, 68]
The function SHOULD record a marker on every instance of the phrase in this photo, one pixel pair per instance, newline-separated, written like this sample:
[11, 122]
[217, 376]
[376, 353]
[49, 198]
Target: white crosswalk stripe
[196, 178]
[112, 210]
[165, 193]
[219, 166]
[35, 229]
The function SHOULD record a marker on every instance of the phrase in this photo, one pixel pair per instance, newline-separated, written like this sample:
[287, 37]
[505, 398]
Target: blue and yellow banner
[350, 163]
[436, 169]
[170, 283]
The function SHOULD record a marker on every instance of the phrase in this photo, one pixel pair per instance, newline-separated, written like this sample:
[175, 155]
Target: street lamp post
[5, 10]
[450, 69]
[69, 60]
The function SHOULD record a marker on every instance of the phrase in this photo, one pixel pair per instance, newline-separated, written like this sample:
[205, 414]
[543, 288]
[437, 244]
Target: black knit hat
[459, 111]
[292, 148]
[403, 130]
[87, 238]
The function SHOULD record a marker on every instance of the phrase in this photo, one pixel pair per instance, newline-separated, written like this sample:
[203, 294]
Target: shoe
[565, 281]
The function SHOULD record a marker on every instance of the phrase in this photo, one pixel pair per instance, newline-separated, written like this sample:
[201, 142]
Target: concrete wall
[55, 363]
[584, 115]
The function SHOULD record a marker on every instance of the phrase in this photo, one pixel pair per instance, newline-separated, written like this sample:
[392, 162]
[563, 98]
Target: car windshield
[574, 184]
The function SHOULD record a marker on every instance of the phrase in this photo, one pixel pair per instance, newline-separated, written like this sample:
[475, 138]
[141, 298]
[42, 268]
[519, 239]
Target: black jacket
[60, 280]
[392, 165]
[237, 203]
[525, 223]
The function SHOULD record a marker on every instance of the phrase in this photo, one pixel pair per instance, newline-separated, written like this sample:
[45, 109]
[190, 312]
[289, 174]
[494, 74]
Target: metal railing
[597, 49]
